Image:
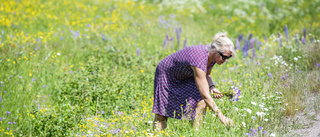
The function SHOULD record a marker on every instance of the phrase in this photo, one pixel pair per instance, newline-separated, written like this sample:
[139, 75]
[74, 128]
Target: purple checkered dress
[175, 91]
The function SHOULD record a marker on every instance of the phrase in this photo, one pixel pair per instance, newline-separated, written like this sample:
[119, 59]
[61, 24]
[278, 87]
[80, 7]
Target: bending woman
[182, 83]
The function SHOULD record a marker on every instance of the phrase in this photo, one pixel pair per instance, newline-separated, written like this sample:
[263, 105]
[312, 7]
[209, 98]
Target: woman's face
[221, 57]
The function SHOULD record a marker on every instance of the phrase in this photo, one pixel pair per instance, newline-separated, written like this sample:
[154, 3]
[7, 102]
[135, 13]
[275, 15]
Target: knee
[201, 105]
[160, 118]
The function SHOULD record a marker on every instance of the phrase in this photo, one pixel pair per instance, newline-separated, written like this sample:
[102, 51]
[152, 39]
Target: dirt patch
[307, 122]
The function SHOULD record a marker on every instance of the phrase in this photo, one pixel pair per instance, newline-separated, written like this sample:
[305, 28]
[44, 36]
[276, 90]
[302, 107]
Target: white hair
[222, 43]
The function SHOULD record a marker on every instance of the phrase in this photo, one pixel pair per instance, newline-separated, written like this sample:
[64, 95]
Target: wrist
[212, 87]
[219, 114]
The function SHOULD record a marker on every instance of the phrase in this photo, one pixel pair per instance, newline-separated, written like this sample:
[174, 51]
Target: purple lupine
[237, 44]
[311, 39]
[286, 85]
[280, 39]
[252, 47]
[258, 45]
[164, 44]
[286, 32]
[240, 37]
[270, 75]
[265, 39]
[172, 41]
[185, 43]
[178, 36]
[245, 48]
[282, 77]
[103, 37]
[138, 52]
[303, 40]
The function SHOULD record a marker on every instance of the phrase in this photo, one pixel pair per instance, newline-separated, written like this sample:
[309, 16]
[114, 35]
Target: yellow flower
[141, 70]
[14, 62]
[30, 74]
[8, 59]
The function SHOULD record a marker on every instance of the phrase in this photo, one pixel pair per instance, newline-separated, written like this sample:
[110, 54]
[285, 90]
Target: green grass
[56, 83]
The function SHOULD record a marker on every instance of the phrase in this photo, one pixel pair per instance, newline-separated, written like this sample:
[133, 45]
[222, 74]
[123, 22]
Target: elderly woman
[182, 83]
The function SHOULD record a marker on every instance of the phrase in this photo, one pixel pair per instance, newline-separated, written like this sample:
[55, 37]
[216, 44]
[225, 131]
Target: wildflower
[244, 124]
[318, 64]
[286, 32]
[295, 58]
[300, 71]
[8, 113]
[58, 54]
[272, 135]
[33, 80]
[185, 43]
[260, 128]
[138, 52]
[283, 78]
[44, 86]
[254, 103]
[260, 114]
[270, 75]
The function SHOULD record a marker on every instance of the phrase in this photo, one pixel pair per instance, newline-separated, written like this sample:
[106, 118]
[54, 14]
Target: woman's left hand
[217, 93]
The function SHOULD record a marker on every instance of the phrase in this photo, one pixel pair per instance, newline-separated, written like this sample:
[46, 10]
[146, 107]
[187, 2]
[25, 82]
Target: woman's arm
[213, 90]
[203, 87]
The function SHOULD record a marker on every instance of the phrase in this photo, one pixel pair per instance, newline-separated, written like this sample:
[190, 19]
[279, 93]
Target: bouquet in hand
[233, 94]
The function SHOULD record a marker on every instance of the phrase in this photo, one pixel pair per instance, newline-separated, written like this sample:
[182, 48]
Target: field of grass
[86, 68]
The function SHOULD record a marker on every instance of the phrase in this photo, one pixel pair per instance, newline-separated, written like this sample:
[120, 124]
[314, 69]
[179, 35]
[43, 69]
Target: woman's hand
[217, 93]
[225, 120]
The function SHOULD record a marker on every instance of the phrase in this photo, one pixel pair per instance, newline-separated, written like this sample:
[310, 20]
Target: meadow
[86, 68]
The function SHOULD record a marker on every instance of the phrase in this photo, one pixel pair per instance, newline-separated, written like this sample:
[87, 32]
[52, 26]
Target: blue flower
[318, 64]
[44, 86]
[270, 75]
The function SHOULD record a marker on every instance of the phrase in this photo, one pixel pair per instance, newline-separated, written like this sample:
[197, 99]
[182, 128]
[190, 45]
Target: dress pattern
[175, 91]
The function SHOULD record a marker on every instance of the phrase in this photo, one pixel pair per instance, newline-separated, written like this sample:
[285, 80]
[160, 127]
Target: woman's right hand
[225, 120]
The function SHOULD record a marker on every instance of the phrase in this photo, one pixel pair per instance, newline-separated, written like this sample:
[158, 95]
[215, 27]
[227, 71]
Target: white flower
[235, 108]
[249, 111]
[261, 114]
[295, 58]
[253, 118]
[150, 122]
[265, 109]
[266, 119]
[272, 135]
[58, 54]
[254, 103]
[244, 124]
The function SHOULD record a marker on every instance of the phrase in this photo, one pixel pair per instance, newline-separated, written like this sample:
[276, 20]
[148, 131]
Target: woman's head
[222, 47]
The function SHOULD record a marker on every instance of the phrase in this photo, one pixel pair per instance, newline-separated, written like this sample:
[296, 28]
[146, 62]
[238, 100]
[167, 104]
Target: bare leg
[200, 114]
[160, 122]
